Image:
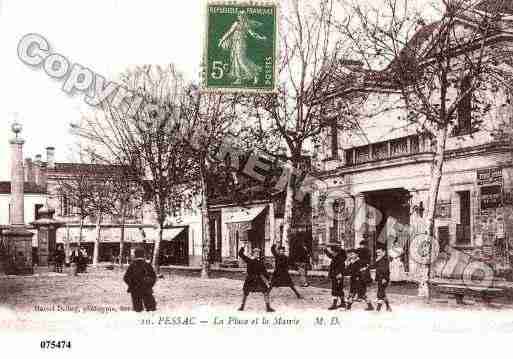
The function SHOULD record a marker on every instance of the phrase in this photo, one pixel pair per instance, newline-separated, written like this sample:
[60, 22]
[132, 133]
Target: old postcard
[245, 178]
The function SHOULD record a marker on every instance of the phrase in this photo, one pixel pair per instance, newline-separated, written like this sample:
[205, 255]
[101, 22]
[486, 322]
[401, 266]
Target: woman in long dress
[235, 40]
[397, 272]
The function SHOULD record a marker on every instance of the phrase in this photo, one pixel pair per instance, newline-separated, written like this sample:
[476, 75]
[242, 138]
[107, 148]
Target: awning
[171, 233]
[243, 214]
[108, 234]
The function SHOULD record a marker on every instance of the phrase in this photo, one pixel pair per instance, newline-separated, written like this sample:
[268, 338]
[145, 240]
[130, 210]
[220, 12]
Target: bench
[461, 290]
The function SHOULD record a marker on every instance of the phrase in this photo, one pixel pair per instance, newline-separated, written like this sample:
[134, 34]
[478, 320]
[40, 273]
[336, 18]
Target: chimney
[50, 157]
[37, 170]
[29, 170]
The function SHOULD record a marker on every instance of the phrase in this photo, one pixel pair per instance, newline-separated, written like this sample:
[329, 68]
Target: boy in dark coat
[281, 276]
[364, 256]
[257, 279]
[336, 275]
[382, 267]
[140, 278]
[356, 271]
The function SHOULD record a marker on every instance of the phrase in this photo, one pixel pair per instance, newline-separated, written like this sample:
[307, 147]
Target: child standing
[382, 278]
[357, 288]
[281, 276]
[257, 279]
[336, 275]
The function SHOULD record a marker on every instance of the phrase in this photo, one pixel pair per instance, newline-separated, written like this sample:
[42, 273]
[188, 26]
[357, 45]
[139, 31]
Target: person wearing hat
[257, 279]
[281, 276]
[140, 278]
[382, 267]
[336, 274]
[364, 256]
[356, 270]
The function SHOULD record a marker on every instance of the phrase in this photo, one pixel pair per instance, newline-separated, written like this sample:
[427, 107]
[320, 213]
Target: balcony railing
[398, 147]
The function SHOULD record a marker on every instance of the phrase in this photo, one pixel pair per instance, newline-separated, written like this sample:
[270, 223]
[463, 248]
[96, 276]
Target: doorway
[394, 219]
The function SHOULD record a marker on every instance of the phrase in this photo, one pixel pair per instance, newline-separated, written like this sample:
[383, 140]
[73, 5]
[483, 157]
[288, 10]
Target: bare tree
[147, 142]
[286, 123]
[442, 71]
[75, 192]
[207, 120]
[128, 200]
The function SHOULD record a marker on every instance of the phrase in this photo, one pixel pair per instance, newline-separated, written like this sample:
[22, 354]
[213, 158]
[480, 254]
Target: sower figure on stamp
[281, 276]
[140, 278]
[336, 275]
[257, 279]
[382, 267]
[357, 288]
[364, 256]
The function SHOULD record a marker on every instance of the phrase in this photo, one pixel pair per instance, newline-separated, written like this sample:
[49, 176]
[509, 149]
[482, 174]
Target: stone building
[377, 179]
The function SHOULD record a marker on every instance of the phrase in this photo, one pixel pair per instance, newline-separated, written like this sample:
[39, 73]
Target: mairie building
[377, 179]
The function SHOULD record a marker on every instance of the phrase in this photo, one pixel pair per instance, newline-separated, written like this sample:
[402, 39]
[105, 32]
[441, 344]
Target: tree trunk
[434, 186]
[156, 249]
[96, 251]
[66, 246]
[122, 239]
[81, 228]
[205, 238]
[287, 214]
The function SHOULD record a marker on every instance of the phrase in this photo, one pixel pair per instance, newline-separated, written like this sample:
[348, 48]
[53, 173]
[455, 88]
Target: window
[463, 228]
[349, 157]
[464, 111]
[65, 206]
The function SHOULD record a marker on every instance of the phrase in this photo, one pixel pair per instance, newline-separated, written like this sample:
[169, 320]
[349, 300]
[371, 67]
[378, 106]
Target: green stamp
[241, 47]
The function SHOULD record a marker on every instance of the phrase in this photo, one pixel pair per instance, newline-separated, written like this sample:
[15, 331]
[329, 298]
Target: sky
[105, 35]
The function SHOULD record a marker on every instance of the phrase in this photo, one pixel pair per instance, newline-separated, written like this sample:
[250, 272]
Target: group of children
[355, 262]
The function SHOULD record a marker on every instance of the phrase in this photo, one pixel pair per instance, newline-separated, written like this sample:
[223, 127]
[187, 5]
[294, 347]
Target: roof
[29, 188]
[85, 167]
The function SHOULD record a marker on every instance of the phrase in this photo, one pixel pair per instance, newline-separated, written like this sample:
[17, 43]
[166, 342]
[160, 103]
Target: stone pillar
[17, 178]
[17, 238]
[46, 234]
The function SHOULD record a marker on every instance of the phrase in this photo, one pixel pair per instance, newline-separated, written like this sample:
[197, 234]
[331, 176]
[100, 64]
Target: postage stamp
[241, 47]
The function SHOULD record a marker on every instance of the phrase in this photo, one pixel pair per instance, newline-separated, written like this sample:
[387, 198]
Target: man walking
[140, 278]
[281, 276]
[257, 279]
